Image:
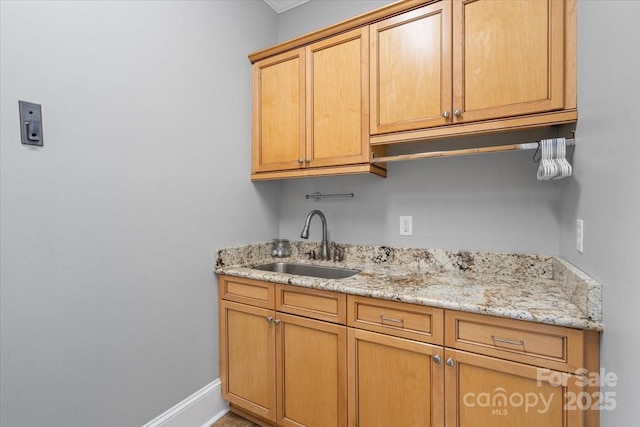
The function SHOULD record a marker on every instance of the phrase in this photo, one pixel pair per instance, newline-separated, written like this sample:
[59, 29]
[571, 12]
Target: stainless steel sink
[308, 270]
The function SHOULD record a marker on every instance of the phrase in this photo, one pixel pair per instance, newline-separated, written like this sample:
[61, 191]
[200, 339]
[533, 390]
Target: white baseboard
[201, 409]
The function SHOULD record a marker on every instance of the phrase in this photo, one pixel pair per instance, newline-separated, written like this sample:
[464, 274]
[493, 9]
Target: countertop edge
[342, 287]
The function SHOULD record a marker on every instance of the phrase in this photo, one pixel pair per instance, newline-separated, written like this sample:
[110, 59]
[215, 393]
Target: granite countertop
[537, 288]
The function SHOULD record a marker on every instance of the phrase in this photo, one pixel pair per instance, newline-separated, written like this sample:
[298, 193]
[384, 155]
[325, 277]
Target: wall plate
[31, 123]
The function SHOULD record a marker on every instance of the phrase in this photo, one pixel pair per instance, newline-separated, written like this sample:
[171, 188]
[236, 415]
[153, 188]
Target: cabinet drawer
[400, 319]
[313, 303]
[538, 344]
[247, 291]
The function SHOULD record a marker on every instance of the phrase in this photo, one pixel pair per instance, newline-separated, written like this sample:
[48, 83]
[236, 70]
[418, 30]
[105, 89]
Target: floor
[232, 420]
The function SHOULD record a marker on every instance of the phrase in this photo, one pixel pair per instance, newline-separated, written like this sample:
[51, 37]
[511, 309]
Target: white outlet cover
[406, 225]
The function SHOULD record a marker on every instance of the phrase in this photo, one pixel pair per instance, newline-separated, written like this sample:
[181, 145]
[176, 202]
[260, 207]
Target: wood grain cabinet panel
[247, 358]
[513, 373]
[484, 391]
[463, 67]
[551, 346]
[396, 363]
[313, 303]
[411, 69]
[338, 101]
[279, 112]
[508, 58]
[412, 321]
[311, 110]
[311, 372]
[394, 382]
[248, 291]
[281, 368]
[467, 61]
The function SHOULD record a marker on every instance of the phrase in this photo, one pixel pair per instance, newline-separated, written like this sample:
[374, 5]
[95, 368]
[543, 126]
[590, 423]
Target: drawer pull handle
[507, 341]
[390, 319]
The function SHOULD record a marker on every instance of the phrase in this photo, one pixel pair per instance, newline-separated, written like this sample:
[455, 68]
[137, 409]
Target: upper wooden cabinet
[469, 61]
[411, 71]
[508, 58]
[279, 112]
[310, 110]
[337, 100]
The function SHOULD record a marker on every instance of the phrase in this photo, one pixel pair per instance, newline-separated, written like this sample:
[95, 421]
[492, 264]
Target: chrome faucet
[324, 251]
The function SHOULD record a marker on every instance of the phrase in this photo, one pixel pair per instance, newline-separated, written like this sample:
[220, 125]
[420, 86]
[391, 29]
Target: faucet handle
[338, 253]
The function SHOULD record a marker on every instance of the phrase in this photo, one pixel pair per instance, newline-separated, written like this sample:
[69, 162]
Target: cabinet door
[278, 112]
[508, 58]
[411, 69]
[394, 382]
[247, 358]
[311, 372]
[484, 391]
[338, 100]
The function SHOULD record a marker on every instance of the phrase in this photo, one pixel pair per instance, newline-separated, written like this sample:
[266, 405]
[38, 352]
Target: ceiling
[282, 5]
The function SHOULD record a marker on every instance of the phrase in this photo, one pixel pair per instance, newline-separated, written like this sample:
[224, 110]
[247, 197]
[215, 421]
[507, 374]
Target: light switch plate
[580, 236]
[31, 123]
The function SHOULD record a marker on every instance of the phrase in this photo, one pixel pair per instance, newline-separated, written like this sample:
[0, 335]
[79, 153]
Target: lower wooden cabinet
[248, 358]
[433, 367]
[311, 368]
[286, 369]
[485, 391]
[288, 359]
[399, 382]
[394, 381]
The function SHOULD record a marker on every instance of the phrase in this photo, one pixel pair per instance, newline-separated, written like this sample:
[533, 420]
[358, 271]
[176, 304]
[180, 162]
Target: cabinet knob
[457, 112]
[269, 319]
[437, 359]
[450, 362]
[276, 321]
[446, 114]
[307, 160]
[300, 161]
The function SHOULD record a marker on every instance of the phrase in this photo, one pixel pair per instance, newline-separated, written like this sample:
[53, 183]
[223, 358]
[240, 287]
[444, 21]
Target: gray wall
[605, 189]
[109, 313]
[491, 203]
[317, 14]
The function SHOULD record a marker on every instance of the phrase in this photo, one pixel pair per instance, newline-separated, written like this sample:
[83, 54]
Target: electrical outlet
[406, 225]
[580, 236]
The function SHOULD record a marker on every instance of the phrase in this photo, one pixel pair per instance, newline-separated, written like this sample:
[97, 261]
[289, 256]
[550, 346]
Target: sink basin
[308, 270]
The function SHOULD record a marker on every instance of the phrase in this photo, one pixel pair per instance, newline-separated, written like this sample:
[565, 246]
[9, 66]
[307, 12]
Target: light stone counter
[527, 287]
